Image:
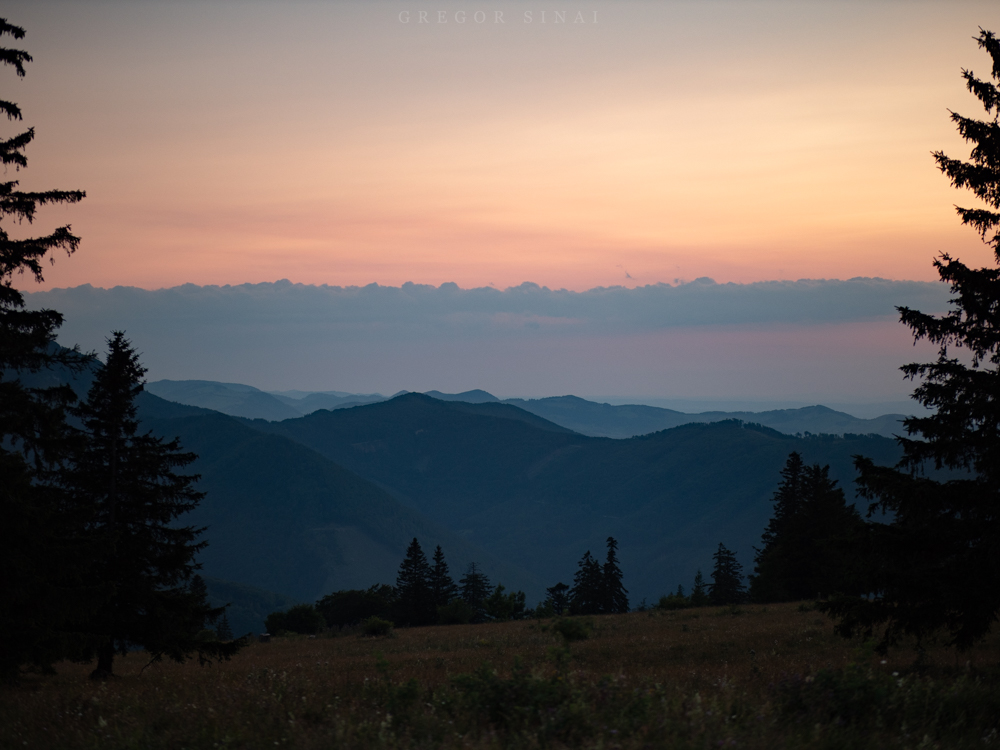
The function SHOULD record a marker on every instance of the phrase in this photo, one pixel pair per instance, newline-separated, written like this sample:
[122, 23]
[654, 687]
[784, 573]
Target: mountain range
[297, 508]
[580, 415]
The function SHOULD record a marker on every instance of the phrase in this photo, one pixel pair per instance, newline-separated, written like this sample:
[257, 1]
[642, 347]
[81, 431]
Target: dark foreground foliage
[749, 677]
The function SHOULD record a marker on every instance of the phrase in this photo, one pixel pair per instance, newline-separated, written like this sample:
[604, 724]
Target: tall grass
[749, 677]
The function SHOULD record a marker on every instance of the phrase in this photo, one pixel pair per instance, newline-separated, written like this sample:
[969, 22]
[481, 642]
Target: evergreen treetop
[43, 586]
[128, 483]
[414, 602]
[558, 597]
[587, 595]
[615, 595]
[938, 561]
[727, 578]
[474, 589]
[443, 588]
[811, 545]
[699, 594]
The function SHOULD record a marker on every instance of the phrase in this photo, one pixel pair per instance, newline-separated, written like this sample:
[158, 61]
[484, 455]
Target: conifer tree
[699, 595]
[414, 604]
[127, 482]
[443, 588]
[559, 598]
[614, 595]
[501, 606]
[474, 589]
[787, 500]
[812, 544]
[727, 578]
[224, 630]
[587, 595]
[41, 586]
[939, 559]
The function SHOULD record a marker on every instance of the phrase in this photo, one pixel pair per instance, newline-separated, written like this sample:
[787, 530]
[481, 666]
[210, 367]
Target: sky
[633, 144]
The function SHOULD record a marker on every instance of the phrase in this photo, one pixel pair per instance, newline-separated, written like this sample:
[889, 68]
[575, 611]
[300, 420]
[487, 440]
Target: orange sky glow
[331, 143]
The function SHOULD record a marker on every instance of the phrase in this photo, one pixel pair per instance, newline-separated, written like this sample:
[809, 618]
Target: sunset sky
[347, 143]
[328, 142]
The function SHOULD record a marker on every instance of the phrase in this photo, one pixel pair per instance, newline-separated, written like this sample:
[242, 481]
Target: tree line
[426, 594]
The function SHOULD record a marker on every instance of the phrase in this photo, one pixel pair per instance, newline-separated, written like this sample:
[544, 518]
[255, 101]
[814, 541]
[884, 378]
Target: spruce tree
[587, 595]
[614, 595]
[727, 578]
[127, 482]
[787, 499]
[938, 565]
[812, 544]
[474, 588]
[42, 587]
[443, 588]
[414, 604]
[699, 595]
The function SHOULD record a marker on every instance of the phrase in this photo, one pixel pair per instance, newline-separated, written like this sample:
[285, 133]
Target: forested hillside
[283, 518]
[542, 496]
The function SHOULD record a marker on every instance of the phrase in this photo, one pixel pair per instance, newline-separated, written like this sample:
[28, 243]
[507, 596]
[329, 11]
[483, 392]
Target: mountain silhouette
[531, 491]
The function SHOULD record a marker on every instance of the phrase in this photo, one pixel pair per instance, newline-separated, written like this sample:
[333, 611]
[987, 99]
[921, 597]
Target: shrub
[572, 628]
[673, 601]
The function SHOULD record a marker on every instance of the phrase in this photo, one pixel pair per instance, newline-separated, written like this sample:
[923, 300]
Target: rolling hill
[281, 517]
[542, 495]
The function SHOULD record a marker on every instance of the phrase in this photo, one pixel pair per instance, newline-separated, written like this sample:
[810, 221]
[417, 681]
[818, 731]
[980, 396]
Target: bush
[572, 628]
[376, 626]
[501, 606]
[673, 601]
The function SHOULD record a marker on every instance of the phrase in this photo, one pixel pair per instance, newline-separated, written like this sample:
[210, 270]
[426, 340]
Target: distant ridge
[571, 412]
[625, 421]
[235, 399]
[476, 396]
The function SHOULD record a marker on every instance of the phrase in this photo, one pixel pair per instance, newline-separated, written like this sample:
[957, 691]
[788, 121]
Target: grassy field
[754, 677]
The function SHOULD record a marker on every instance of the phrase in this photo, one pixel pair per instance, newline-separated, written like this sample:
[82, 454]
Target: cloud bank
[449, 309]
[523, 340]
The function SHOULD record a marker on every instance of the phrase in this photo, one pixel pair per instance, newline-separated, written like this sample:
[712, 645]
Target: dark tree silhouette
[939, 568]
[587, 595]
[414, 601]
[787, 499]
[39, 547]
[501, 606]
[223, 630]
[127, 482]
[351, 606]
[559, 598]
[727, 578]
[475, 588]
[304, 619]
[615, 595]
[814, 543]
[699, 595]
[443, 588]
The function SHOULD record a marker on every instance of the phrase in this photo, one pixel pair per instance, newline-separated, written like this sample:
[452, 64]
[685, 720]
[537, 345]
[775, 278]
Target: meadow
[749, 676]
